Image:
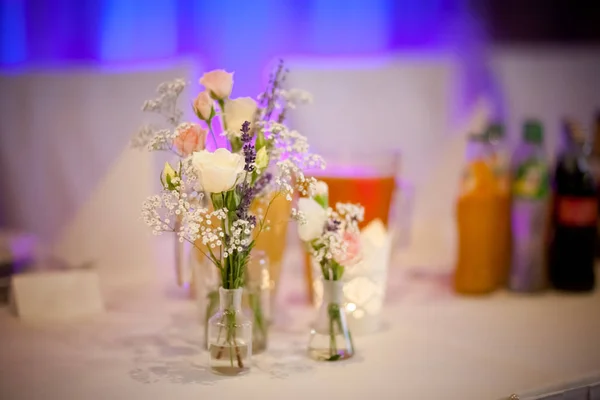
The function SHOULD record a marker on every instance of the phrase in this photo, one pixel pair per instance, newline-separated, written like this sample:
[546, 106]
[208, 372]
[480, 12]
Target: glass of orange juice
[368, 178]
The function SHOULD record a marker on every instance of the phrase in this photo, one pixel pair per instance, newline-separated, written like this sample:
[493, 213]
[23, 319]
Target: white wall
[69, 174]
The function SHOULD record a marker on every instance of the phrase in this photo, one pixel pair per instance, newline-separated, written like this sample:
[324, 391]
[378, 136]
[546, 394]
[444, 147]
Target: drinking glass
[369, 178]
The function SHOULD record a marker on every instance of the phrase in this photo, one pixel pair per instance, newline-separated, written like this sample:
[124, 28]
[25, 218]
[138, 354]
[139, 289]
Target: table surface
[434, 345]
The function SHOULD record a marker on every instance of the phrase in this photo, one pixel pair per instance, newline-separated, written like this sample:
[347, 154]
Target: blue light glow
[138, 30]
[12, 32]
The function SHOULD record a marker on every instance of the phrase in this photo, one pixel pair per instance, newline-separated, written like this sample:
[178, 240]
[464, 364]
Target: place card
[57, 295]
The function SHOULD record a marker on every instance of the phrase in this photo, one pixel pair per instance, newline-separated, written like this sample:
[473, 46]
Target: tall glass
[368, 178]
[273, 241]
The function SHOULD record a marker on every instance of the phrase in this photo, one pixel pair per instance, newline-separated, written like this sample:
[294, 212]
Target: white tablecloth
[435, 345]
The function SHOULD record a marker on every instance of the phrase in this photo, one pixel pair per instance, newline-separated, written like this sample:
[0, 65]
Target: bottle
[475, 211]
[499, 159]
[575, 214]
[595, 166]
[529, 214]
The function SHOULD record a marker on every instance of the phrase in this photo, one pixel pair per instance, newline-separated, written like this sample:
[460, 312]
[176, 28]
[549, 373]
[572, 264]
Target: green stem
[332, 340]
[222, 107]
[259, 320]
[212, 132]
[228, 321]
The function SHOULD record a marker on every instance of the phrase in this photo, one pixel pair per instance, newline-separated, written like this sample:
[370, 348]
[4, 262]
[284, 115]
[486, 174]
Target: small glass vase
[257, 299]
[230, 335]
[330, 338]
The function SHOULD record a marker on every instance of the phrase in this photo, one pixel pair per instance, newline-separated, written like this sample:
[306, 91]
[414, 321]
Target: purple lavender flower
[248, 149]
[248, 194]
[245, 137]
[262, 182]
[333, 225]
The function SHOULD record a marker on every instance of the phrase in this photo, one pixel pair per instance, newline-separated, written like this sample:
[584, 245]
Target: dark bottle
[575, 212]
[595, 165]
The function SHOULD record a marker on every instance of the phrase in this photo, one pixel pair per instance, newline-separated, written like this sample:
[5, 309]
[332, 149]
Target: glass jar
[330, 338]
[206, 281]
[257, 295]
[230, 335]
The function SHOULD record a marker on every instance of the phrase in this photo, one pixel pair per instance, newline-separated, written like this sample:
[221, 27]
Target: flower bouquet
[333, 241]
[206, 198]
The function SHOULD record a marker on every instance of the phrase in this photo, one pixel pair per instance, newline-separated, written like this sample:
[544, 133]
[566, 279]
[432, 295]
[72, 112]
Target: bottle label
[531, 180]
[500, 165]
[528, 220]
[577, 211]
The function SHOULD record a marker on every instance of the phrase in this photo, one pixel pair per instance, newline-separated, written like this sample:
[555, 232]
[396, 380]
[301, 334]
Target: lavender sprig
[271, 95]
[248, 193]
[333, 225]
[248, 148]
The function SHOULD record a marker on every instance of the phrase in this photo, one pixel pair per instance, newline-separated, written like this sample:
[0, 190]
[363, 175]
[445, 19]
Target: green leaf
[232, 200]
[236, 144]
[323, 201]
[217, 200]
[260, 140]
[334, 357]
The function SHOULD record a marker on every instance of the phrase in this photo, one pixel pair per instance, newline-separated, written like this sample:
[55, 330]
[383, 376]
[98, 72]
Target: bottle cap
[477, 137]
[533, 132]
[574, 131]
[495, 132]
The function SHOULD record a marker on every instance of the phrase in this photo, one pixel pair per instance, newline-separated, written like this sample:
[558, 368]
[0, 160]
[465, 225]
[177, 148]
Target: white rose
[321, 195]
[219, 83]
[167, 177]
[238, 111]
[321, 188]
[218, 171]
[315, 218]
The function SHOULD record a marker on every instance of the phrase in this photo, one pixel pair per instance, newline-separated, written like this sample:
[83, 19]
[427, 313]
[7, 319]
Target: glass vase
[330, 338]
[206, 282]
[230, 335]
[256, 299]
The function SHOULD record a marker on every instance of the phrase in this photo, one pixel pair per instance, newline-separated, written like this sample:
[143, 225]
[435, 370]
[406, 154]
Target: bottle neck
[230, 299]
[533, 146]
[477, 151]
[576, 148]
[333, 291]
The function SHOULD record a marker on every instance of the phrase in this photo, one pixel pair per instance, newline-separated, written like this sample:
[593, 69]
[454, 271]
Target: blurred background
[414, 76]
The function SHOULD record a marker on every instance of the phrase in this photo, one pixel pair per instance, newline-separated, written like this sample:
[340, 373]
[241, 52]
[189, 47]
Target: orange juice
[273, 241]
[503, 241]
[499, 161]
[373, 192]
[477, 220]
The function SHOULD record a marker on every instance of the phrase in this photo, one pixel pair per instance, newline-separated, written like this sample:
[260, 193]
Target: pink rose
[190, 138]
[219, 83]
[203, 105]
[353, 249]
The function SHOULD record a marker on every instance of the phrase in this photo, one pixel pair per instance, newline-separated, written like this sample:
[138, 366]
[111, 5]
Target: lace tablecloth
[433, 345]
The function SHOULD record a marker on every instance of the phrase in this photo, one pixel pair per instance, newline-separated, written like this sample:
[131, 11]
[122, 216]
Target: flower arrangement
[206, 197]
[333, 241]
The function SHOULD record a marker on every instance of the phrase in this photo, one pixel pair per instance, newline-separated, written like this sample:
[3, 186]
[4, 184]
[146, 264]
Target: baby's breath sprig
[154, 138]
